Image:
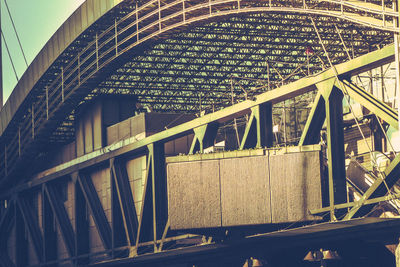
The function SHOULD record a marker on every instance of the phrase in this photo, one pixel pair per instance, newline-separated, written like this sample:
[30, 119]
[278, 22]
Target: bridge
[199, 132]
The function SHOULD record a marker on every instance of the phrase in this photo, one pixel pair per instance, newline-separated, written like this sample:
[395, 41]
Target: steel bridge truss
[200, 68]
[130, 235]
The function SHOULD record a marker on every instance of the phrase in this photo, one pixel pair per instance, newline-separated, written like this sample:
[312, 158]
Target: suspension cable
[382, 174]
[16, 33]
[9, 55]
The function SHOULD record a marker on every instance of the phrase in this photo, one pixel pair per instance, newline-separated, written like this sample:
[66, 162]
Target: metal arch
[82, 70]
[228, 8]
[151, 230]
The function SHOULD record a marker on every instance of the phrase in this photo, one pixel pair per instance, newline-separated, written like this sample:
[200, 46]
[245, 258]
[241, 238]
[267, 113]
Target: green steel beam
[61, 216]
[96, 209]
[349, 68]
[335, 144]
[370, 102]
[315, 120]
[146, 227]
[378, 189]
[126, 202]
[250, 136]
[32, 225]
[204, 137]
[354, 204]
[258, 132]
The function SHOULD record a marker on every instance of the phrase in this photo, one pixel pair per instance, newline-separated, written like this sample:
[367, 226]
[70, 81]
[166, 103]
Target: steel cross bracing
[150, 233]
[183, 56]
[56, 94]
[195, 66]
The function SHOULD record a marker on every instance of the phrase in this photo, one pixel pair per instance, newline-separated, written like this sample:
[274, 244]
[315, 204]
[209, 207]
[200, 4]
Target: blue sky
[36, 21]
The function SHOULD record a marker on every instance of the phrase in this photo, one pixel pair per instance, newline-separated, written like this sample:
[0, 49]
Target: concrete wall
[230, 191]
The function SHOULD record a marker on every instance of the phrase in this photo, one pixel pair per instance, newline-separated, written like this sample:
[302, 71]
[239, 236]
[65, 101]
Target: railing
[152, 19]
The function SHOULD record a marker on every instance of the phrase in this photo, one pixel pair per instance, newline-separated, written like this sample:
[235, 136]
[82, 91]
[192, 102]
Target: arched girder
[54, 99]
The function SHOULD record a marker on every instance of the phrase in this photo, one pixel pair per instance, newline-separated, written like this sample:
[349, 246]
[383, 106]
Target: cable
[383, 176]
[16, 33]
[9, 55]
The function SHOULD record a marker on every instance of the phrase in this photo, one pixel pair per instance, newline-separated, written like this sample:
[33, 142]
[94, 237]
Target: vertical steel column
[159, 189]
[258, 132]
[335, 151]
[265, 126]
[154, 211]
[118, 229]
[120, 180]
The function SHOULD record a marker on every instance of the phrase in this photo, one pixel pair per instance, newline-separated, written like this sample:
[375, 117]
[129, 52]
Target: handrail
[87, 62]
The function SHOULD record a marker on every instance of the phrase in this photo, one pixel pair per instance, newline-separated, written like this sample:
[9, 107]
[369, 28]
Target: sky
[36, 21]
